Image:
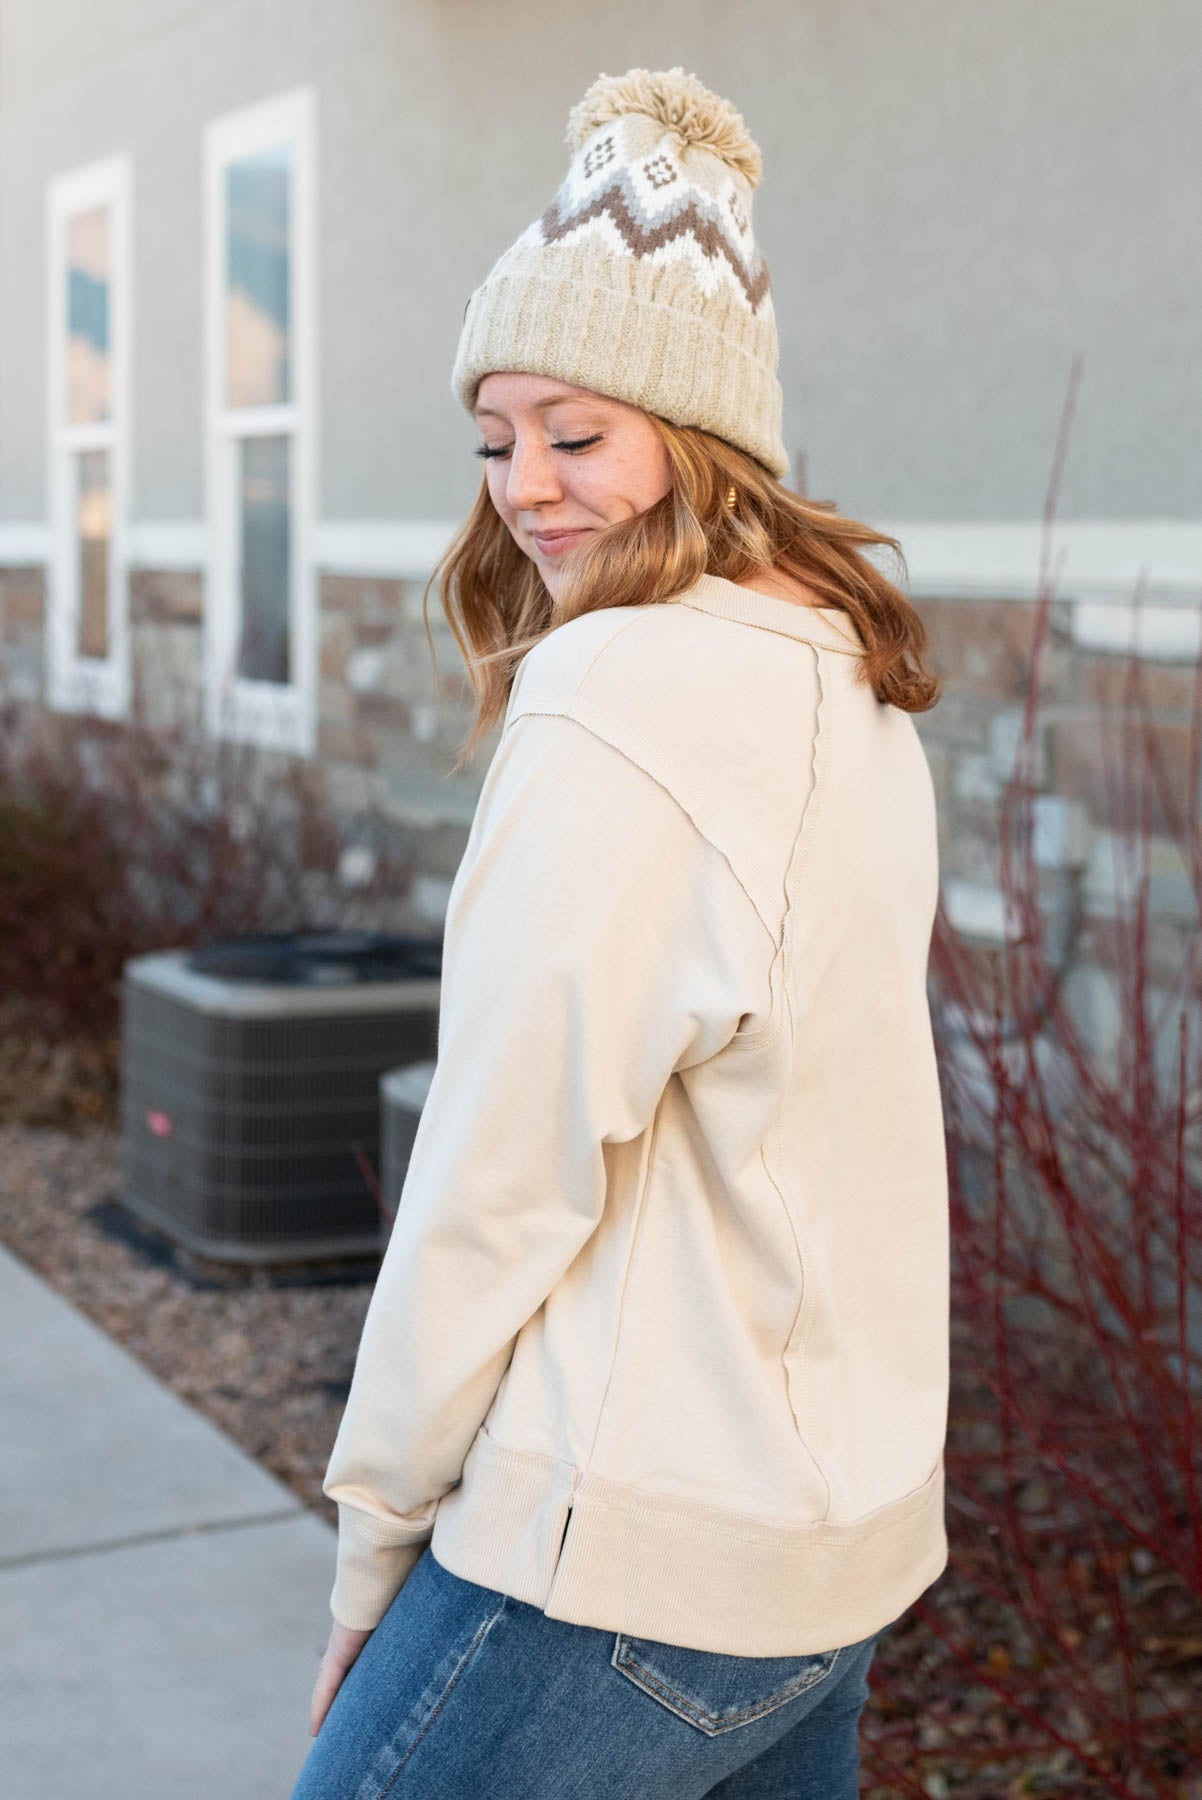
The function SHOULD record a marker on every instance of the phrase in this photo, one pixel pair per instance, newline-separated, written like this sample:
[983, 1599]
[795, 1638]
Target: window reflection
[92, 516]
[257, 301]
[89, 251]
[264, 649]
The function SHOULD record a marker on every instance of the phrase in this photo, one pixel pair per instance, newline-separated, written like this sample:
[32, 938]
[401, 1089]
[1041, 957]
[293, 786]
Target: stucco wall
[957, 198]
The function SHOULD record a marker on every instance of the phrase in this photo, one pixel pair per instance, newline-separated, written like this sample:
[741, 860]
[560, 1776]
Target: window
[260, 643]
[88, 258]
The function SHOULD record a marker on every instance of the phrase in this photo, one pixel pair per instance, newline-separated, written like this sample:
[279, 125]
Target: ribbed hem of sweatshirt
[371, 1569]
[671, 362]
[679, 1571]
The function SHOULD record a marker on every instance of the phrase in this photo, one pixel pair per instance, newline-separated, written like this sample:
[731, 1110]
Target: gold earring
[731, 496]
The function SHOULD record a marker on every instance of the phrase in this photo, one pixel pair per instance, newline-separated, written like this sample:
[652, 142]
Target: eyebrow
[487, 412]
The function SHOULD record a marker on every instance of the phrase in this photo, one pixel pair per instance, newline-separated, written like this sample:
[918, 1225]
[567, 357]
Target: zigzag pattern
[690, 221]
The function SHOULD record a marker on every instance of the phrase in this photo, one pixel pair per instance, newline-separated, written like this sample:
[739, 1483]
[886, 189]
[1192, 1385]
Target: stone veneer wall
[1089, 841]
[386, 735]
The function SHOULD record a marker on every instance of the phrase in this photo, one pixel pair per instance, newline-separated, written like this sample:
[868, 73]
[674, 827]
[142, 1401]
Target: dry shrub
[120, 838]
[1061, 1652]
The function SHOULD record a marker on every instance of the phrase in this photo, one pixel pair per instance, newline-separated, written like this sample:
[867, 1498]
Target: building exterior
[236, 240]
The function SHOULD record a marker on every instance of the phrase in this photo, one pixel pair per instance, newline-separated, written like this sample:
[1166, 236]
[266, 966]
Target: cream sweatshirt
[659, 1343]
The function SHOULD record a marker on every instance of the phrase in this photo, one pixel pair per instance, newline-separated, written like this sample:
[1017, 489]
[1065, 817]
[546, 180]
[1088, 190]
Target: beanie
[642, 280]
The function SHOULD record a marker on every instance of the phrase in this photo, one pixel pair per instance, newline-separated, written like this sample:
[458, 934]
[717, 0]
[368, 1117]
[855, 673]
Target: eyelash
[579, 444]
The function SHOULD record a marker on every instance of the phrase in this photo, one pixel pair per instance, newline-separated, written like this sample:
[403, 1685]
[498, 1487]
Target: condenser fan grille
[250, 1096]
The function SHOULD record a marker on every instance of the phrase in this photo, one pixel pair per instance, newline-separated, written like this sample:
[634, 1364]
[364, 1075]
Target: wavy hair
[498, 606]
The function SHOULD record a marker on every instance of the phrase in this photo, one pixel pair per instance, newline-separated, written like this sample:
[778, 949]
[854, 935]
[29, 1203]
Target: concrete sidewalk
[164, 1601]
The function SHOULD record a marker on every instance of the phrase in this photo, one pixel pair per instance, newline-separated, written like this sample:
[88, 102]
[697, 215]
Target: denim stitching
[624, 1661]
[466, 1658]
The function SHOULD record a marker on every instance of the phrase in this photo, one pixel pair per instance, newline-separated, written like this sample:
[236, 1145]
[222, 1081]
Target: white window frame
[76, 683]
[275, 715]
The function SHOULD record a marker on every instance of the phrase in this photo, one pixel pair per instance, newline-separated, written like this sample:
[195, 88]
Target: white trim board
[150, 543]
[1094, 559]
[400, 549]
[397, 549]
[166, 544]
[23, 545]
[1098, 559]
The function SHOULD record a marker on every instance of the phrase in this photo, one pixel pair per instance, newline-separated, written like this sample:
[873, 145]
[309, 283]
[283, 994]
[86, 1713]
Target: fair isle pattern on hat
[642, 279]
[647, 203]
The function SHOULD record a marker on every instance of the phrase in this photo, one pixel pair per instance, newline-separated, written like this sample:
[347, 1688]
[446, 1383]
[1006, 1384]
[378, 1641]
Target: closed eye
[572, 448]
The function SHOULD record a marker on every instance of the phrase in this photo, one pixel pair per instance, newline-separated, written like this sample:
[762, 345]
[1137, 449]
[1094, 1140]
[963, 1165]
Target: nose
[531, 479]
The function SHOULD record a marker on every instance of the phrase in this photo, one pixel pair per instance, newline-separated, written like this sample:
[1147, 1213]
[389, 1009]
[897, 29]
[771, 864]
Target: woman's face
[562, 461]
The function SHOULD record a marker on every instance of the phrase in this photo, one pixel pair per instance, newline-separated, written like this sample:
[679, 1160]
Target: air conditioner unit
[250, 1087]
[403, 1094]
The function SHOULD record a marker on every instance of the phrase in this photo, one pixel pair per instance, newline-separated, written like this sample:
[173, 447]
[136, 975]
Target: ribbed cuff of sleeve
[371, 1569]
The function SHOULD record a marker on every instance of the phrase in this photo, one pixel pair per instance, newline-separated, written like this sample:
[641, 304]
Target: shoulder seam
[567, 711]
[588, 668]
[601, 649]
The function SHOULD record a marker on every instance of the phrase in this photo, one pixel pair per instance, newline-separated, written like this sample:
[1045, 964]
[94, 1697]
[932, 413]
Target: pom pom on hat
[679, 101]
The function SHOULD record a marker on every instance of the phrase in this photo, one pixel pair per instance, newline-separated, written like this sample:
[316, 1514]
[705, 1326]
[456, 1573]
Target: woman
[643, 1450]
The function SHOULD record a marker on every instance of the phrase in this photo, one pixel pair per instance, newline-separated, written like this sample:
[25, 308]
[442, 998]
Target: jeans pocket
[715, 1692]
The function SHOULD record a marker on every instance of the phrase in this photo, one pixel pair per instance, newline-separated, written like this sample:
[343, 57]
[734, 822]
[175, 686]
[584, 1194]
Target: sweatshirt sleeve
[595, 941]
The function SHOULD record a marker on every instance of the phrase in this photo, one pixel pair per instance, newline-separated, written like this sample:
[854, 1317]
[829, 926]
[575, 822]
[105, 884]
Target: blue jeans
[462, 1692]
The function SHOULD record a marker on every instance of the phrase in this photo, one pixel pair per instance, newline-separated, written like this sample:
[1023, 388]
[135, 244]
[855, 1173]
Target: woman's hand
[341, 1651]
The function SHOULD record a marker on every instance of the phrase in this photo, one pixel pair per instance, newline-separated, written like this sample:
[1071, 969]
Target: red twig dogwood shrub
[1061, 1652]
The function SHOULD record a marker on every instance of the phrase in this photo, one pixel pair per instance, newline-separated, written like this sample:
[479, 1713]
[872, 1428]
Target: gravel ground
[267, 1357]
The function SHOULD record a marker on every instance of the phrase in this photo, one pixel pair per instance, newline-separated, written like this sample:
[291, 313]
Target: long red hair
[498, 606]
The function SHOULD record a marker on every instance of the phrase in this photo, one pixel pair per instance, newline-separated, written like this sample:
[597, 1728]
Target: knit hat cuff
[568, 329]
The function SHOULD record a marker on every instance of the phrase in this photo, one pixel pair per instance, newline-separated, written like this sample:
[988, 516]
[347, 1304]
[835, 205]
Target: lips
[550, 542]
